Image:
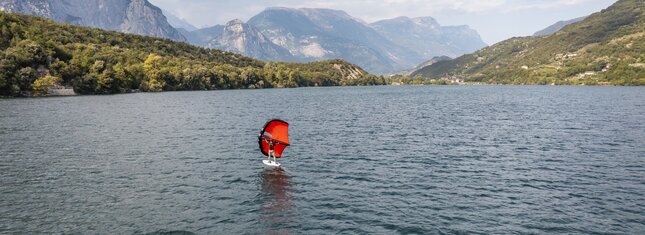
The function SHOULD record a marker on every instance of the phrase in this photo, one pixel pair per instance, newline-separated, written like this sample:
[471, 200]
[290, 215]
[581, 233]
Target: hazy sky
[495, 20]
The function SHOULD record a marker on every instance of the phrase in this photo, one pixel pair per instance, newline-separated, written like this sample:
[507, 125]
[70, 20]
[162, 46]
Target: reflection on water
[276, 196]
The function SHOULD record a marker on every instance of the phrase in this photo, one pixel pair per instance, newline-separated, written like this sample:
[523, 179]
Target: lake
[366, 160]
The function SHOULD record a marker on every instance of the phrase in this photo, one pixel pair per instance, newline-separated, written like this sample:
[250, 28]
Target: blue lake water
[366, 160]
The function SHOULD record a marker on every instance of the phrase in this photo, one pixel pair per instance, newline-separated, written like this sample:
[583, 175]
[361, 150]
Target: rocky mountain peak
[326, 12]
[240, 37]
[426, 21]
[310, 34]
[129, 16]
[238, 27]
[234, 22]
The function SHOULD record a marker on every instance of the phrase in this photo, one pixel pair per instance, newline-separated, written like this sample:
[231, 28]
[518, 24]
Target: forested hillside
[36, 54]
[607, 48]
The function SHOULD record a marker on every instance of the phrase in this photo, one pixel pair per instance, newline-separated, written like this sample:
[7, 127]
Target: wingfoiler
[273, 140]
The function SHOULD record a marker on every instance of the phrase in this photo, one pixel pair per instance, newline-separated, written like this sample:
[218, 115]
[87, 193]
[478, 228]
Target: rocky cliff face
[308, 34]
[315, 34]
[425, 36]
[236, 36]
[128, 16]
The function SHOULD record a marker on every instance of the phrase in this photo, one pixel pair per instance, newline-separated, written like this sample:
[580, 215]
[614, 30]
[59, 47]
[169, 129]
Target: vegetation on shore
[607, 48]
[36, 54]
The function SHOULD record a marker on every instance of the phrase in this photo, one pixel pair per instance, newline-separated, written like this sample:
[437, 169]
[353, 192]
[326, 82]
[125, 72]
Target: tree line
[37, 54]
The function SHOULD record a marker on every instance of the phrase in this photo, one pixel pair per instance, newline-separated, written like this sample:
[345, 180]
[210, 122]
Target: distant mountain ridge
[128, 16]
[606, 48]
[317, 34]
[557, 26]
[424, 35]
[275, 34]
[424, 64]
[178, 23]
[310, 34]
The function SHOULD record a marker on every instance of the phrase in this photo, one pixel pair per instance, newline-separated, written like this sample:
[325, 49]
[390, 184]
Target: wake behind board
[271, 163]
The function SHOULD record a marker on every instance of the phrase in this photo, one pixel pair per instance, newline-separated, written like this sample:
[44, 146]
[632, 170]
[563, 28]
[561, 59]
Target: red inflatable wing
[276, 131]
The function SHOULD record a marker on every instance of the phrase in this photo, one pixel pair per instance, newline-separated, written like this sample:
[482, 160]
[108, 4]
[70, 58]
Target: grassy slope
[612, 40]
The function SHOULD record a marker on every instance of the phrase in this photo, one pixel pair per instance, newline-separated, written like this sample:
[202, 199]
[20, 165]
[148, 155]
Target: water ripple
[369, 160]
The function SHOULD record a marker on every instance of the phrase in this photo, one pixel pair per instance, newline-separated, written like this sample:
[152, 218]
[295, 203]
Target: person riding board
[273, 140]
[271, 151]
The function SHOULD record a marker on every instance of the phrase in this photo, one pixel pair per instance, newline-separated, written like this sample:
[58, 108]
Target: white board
[271, 163]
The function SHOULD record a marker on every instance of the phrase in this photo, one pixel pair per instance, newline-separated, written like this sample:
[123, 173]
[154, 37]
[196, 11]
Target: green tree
[96, 61]
[42, 85]
[153, 75]
[25, 77]
[105, 82]
[122, 79]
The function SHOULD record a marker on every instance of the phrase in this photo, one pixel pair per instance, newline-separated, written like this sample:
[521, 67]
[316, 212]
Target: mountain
[433, 61]
[128, 16]
[275, 34]
[202, 37]
[605, 48]
[424, 35]
[311, 34]
[424, 64]
[557, 26]
[318, 34]
[177, 22]
[36, 54]
[238, 37]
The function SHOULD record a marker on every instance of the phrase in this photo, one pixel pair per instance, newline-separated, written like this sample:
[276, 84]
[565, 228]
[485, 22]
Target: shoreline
[389, 85]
